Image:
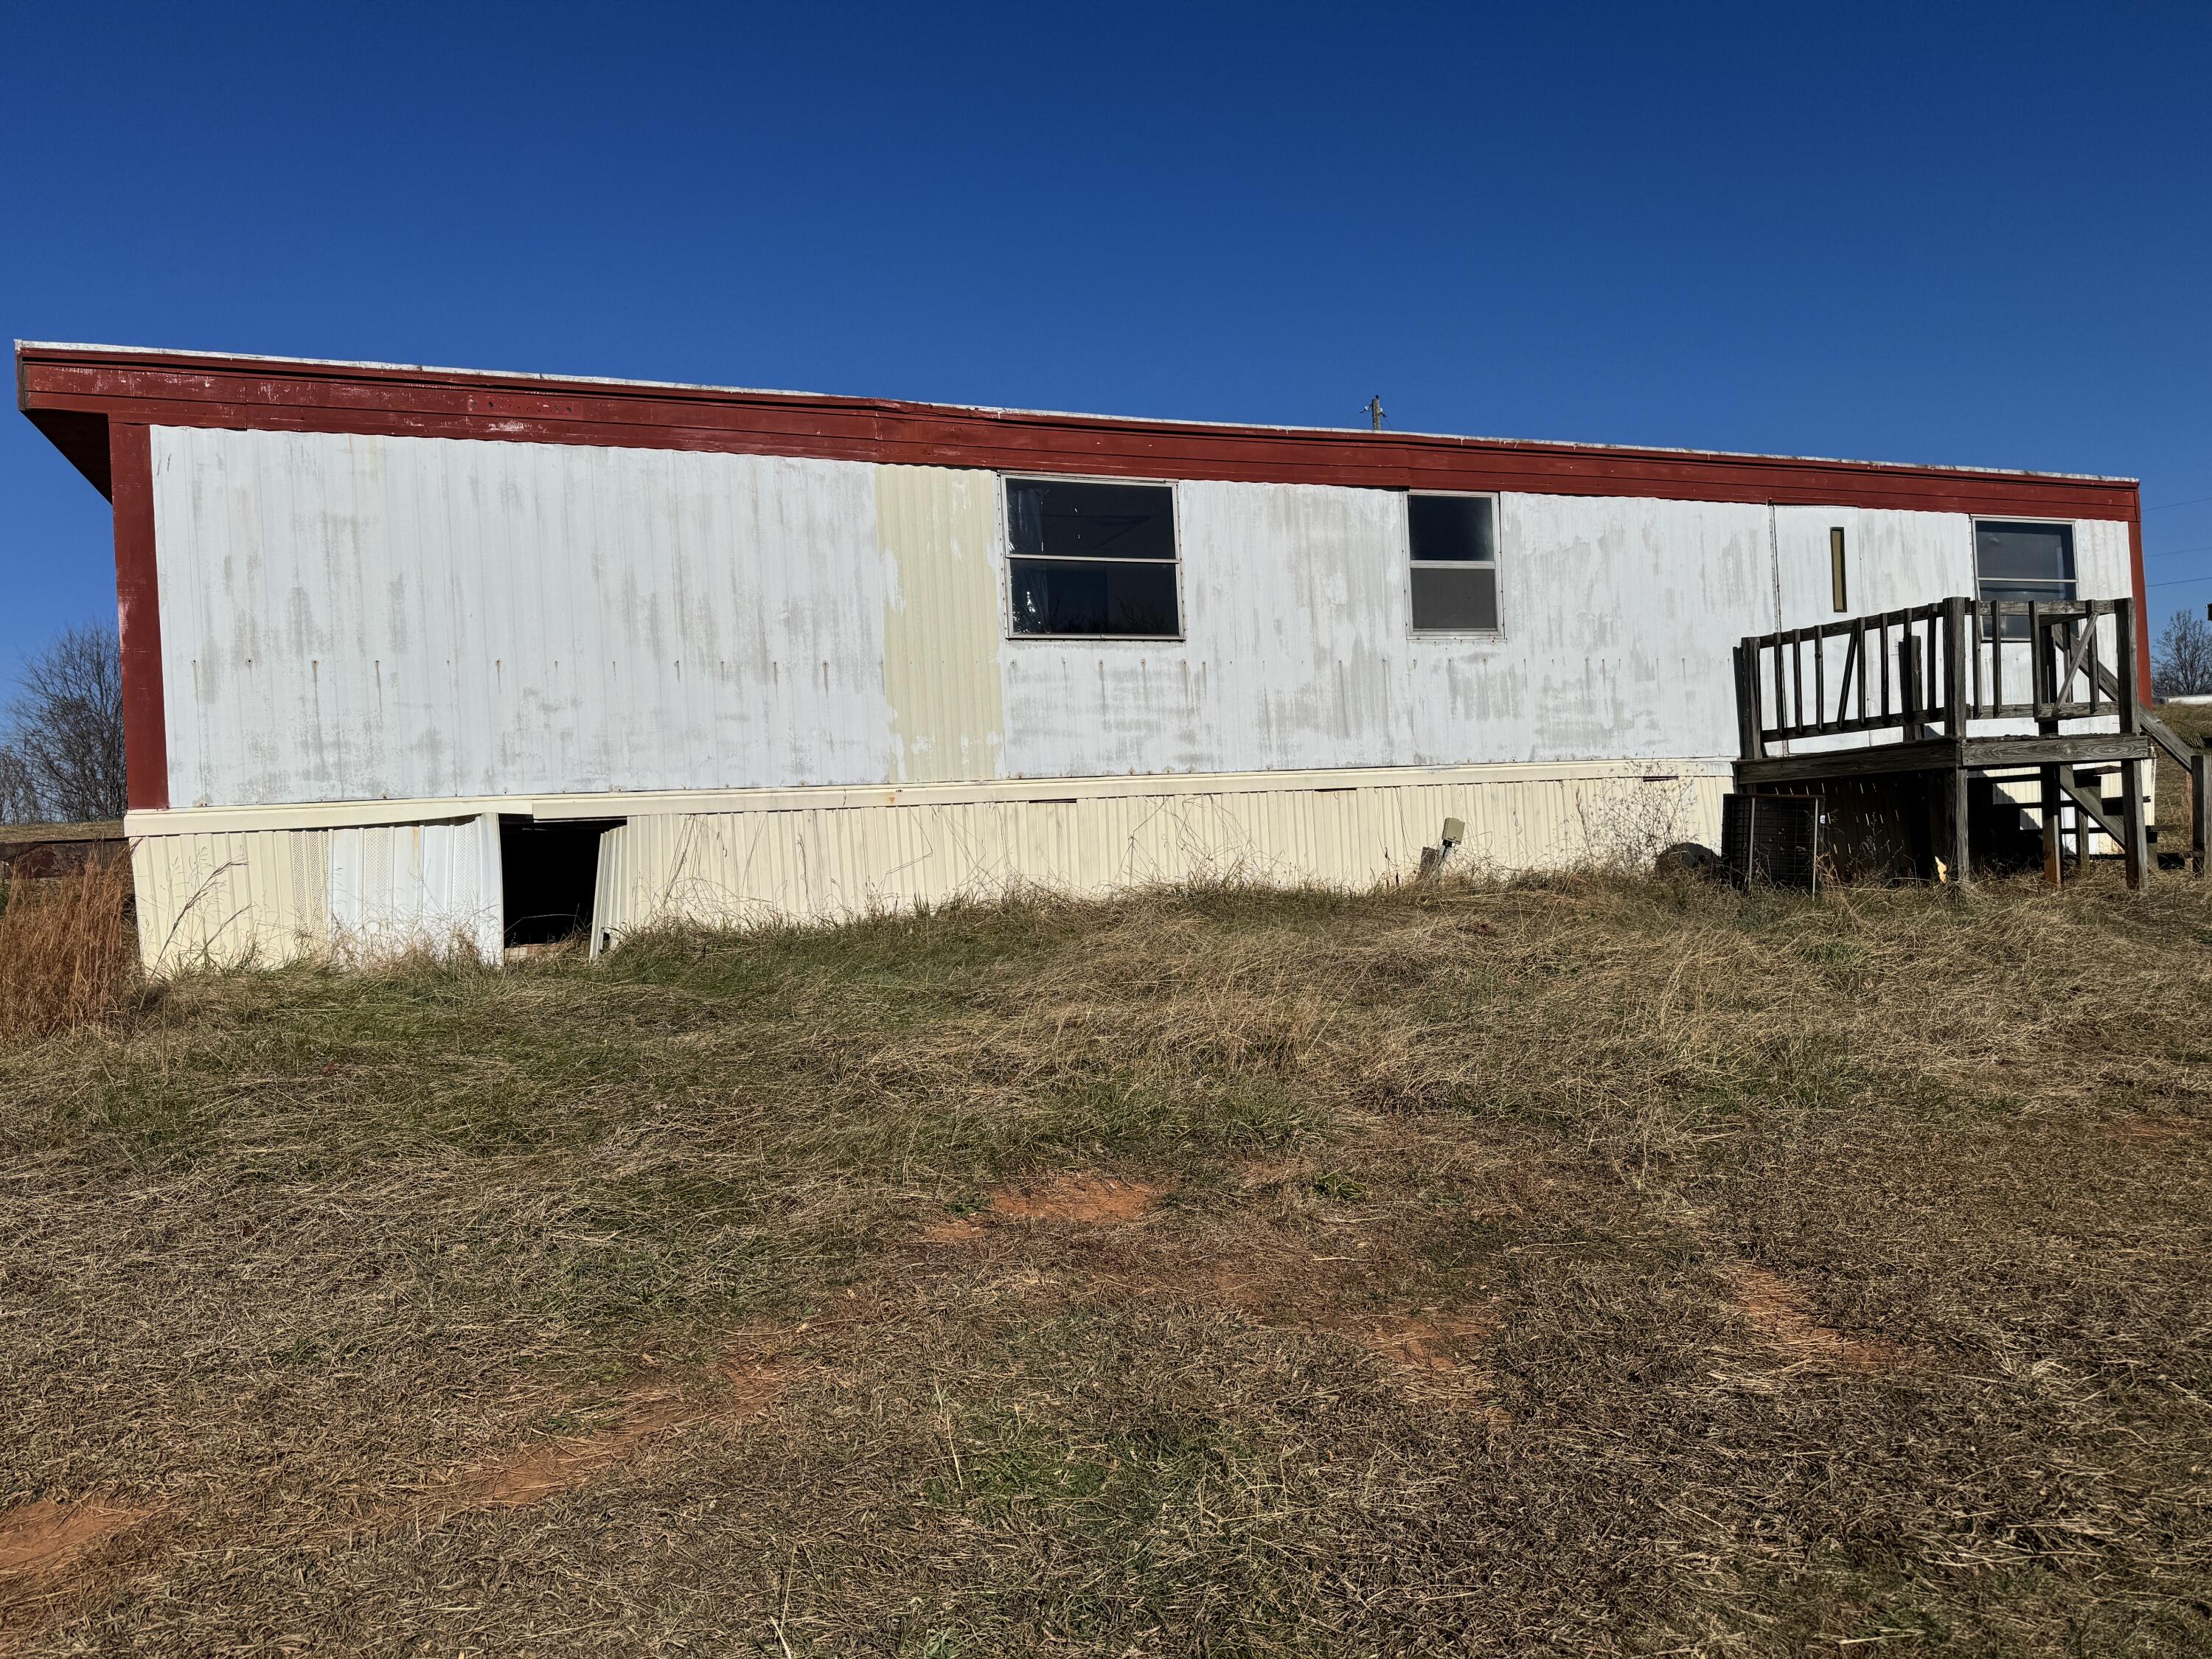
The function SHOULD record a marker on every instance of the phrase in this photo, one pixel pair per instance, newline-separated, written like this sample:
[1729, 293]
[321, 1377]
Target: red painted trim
[2142, 602]
[138, 617]
[171, 389]
[82, 439]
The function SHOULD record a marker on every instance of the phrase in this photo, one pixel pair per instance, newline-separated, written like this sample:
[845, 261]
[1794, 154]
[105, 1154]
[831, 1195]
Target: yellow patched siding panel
[939, 529]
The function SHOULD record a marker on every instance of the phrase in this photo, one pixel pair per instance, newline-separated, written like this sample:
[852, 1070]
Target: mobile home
[416, 653]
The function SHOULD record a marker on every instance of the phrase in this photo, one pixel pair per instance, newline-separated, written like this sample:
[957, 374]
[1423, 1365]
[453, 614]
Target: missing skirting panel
[549, 872]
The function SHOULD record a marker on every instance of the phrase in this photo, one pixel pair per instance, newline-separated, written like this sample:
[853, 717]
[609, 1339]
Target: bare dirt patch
[43, 1538]
[536, 1473]
[1435, 1341]
[43, 1541]
[532, 1474]
[1436, 1353]
[1267, 1276]
[1083, 1200]
[44, 1549]
[1273, 1280]
[1777, 1310]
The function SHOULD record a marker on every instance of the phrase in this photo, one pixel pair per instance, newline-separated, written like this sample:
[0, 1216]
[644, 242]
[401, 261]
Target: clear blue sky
[1980, 235]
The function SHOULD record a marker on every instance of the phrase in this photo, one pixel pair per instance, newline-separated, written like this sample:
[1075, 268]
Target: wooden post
[2053, 862]
[1957, 661]
[2042, 684]
[2124, 622]
[2200, 805]
[1995, 641]
[2132, 819]
[1750, 717]
[1956, 702]
[1961, 854]
[2131, 772]
[1908, 688]
[1820, 679]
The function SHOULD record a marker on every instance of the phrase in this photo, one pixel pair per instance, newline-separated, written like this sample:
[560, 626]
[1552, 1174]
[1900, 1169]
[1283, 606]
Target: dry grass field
[1592, 1266]
[2192, 721]
[67, 957]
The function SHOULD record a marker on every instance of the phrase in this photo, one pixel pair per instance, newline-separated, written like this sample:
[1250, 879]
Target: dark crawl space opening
[548, 874]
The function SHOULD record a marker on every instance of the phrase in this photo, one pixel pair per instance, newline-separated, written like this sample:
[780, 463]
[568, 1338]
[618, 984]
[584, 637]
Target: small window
[2023, 562]
[1092, 559]
[1454, 542]
[1837, 578]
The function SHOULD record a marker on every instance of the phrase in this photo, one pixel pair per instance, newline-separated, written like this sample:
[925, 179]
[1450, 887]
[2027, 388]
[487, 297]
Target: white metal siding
[1898, 559]
[347, 619]
[400, 887]
[359, 619]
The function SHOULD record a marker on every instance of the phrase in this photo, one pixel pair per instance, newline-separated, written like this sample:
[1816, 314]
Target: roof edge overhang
[72, 392]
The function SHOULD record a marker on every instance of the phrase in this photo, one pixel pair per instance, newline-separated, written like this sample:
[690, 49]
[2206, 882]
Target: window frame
[2073, 556]
[1495, 565]
[1008, 555]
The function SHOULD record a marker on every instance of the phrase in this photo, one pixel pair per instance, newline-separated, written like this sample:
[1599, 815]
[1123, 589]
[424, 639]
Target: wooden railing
[1928, 669]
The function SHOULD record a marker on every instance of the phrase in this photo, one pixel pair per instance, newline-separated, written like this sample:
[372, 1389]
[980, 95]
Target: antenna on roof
[1375, 412]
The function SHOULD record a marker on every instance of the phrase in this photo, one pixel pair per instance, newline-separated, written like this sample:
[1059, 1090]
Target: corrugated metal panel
[942, 622]
[223, 900]
[272, 896]
[356, 891]
[350, 619]
[400, 887]
[738, 868]
[608, 886]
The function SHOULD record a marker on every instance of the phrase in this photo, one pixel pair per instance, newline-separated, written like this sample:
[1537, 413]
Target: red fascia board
[169, 389]
[82, 441]
[138, 619]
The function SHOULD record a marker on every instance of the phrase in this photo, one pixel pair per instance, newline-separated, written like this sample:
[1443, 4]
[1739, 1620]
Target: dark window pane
[1456, 527]
[1056, 597]
[1091, 520]
[1460, 600]
[2023, 552]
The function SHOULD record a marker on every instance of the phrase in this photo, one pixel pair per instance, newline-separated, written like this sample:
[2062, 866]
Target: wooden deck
[1934, 696]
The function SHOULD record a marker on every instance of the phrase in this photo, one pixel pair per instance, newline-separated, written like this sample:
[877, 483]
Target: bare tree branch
[2181, 666]
[61, 744]
[19, 802]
